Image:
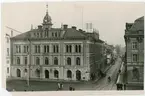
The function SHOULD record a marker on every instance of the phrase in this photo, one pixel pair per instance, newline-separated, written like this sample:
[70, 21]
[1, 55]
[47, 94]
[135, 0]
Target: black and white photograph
[73, 46]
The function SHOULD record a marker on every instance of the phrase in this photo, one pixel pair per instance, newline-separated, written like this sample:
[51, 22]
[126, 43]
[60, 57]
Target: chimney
[65, 26]
[39, 27]
[80, 30]
[74, 27]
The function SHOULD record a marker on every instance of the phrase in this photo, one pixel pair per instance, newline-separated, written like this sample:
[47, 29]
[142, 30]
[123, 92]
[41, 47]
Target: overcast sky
[108, 18]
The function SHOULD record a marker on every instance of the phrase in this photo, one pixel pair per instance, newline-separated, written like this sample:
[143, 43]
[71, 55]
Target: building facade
[10, 32]
[56, 53]
[134, 39]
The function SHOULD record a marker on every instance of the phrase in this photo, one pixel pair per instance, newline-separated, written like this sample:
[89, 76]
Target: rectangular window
[38, 49]
[7, 69]
[47, 48]
[44, 48]
[19, 49]
[27, 48]
[134, 57]
[7, 61]
[24, 49]
[134, 45]
[7, 51]
[35, 49]
[57, 48]
[25, 60]
[54, 48]
[7, 40]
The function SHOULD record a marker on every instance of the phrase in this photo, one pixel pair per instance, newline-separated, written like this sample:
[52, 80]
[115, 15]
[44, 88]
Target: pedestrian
[58, 86]
[13, 89]
[61, 86]
[70, 88]
[73, 89]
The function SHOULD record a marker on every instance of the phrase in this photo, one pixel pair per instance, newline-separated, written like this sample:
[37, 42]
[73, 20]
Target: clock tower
[47, 24]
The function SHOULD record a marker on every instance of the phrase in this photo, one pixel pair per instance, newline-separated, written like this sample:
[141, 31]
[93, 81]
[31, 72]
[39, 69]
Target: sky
[108, 18]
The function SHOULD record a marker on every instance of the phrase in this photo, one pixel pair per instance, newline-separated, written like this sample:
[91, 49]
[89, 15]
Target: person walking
[58, 86]
[70, 88]
[61, 86]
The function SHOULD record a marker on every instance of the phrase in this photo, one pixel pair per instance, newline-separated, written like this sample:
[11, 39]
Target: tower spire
[47, 8]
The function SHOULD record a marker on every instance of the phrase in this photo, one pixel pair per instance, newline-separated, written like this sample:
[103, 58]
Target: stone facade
[10, 32]
[55, 53]
[134, 39]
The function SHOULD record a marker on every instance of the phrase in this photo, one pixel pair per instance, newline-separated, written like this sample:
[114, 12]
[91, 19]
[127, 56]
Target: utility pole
[29, 56]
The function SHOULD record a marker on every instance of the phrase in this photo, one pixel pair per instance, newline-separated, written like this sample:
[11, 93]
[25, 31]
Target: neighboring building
[56, 53]
[10, 32]
[134, 39]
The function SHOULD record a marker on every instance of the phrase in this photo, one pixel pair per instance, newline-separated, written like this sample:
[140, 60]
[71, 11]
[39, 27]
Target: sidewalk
[106, 69]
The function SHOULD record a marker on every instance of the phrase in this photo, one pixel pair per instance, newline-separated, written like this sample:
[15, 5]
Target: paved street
[102, 84]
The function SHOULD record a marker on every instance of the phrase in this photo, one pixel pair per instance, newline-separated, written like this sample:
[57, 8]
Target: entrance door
[46, 74]
[78, 75]
[18, 73]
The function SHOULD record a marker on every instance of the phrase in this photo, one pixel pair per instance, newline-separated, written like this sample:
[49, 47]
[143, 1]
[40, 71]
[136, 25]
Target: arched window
[69, 74]
[37, 61]
[18, 60]
[46, 61]
[68, 61]
[46, 74]
[56, 74]
[78, 61]
[55, 61]
[79, 47]
[37, 72]
[78, 75]
[18, 73]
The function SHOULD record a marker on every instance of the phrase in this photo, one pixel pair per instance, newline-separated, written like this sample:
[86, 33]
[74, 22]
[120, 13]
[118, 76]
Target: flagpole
[82, 17]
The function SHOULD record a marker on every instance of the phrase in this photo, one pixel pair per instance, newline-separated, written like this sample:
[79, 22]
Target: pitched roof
[72, 33]
[138, 25]
[22, 36]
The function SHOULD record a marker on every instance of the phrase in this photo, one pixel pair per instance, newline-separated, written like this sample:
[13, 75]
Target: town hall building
[56, 53]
